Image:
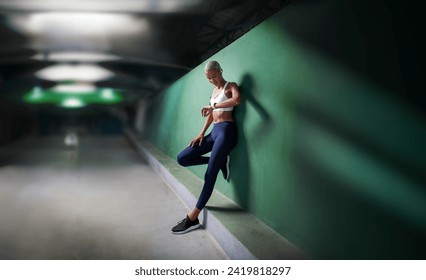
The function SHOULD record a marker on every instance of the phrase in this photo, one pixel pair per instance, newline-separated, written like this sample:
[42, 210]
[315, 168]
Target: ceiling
[145, 44]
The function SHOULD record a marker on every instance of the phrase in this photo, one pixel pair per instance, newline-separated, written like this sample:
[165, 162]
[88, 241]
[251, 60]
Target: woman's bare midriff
[222, 116]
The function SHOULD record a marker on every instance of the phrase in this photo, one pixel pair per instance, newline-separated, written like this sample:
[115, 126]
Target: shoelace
[181, 221]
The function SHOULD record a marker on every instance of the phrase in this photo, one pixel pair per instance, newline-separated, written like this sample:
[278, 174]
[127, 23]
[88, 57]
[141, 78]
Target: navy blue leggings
[219, 142]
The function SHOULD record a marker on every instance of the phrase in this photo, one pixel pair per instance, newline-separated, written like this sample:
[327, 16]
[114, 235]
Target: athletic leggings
[220, 142]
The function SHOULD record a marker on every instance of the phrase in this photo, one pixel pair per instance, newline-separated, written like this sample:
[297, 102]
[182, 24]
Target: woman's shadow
[241, 164]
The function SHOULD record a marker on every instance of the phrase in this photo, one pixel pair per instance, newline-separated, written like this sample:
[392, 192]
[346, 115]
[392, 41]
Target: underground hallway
[98, 98]
[92, 199]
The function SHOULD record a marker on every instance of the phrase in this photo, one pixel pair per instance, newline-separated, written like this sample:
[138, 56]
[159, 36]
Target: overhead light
[69, 97]
[79, 72]
[72, 23]
[107, 94]
[74, 88]
[122, 6]
[110, 96]
[72, 102]
[37, 93]
[75, 56]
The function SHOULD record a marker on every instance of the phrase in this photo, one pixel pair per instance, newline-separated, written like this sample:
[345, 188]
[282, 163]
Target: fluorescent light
[72, 103]
[37, 93]
[122, 6]
[72, 23]
[68, 97]
[107, 94]
[76, 88]
[75, 56]
[80, 72]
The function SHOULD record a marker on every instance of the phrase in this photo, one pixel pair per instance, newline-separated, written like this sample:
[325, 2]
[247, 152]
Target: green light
[107, 94]
[73, 98]
[35, 96]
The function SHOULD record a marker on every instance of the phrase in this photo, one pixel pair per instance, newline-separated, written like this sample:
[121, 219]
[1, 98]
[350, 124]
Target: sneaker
[185, 226]
[225, 169]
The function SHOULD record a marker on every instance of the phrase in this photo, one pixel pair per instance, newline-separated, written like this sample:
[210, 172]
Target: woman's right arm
[200, 137]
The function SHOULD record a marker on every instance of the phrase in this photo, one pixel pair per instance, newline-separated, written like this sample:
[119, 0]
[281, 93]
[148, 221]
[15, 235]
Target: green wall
[331, 128]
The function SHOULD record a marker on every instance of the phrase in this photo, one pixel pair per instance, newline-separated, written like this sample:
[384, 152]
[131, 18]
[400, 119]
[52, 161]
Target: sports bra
[220, 98]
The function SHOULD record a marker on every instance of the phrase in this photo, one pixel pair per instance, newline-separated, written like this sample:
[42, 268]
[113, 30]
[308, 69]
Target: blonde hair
[213, 65]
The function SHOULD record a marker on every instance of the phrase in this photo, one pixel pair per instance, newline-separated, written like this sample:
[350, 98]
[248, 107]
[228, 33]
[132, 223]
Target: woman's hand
[206, 110]
[198, 139]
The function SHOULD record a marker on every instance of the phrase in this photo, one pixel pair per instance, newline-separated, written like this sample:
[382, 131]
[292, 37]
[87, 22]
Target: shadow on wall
[378, 43]
[242, 166]
[364, 200]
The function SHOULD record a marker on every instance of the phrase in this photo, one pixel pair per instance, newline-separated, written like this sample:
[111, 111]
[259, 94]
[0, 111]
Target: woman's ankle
[194, 214]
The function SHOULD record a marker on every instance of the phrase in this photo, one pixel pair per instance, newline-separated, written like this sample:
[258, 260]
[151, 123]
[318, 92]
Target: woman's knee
[182, 159]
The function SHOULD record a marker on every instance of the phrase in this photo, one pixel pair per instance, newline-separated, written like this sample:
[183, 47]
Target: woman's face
[214, 76]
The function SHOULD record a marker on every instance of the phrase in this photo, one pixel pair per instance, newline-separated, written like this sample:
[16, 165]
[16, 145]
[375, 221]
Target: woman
[219, 142]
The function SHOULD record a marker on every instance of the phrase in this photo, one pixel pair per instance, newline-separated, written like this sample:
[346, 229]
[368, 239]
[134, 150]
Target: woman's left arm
[234, 100]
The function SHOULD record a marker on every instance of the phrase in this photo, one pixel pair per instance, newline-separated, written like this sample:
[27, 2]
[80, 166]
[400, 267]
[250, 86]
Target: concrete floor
[97, 200]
